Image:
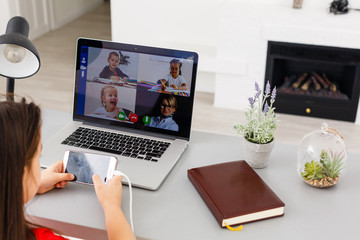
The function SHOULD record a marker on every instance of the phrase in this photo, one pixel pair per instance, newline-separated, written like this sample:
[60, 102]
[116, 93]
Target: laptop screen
[136, 87]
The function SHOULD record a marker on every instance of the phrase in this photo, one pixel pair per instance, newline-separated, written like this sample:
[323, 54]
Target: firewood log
[321, 80]
[316, 83]
[300, 80]
[306, 85]
[332, 85]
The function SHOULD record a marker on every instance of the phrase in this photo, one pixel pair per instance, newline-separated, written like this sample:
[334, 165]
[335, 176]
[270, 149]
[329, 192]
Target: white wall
[5, 13]
[44, 15]
[34, 11]
[67, 10]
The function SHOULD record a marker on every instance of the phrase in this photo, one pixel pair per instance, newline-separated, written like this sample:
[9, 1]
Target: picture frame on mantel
[297, 3]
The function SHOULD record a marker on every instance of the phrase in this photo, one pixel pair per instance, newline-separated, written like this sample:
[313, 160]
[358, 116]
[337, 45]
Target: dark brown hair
[19, 138]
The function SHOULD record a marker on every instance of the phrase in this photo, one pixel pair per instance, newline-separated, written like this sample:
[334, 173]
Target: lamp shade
[18, 56]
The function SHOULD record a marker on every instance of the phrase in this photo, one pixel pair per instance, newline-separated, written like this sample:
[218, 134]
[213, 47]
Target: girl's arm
[116, 224]
[109, 196]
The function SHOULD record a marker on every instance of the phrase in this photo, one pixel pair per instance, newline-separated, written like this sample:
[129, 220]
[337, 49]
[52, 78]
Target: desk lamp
[18, 56]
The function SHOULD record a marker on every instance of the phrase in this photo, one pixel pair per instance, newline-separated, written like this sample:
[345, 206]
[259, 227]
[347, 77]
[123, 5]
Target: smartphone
[84, 165]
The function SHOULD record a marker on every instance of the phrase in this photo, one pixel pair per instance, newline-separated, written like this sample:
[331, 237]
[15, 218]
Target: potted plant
[260, 126]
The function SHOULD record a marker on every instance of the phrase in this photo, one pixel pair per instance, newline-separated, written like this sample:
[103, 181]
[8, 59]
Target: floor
[52, 86]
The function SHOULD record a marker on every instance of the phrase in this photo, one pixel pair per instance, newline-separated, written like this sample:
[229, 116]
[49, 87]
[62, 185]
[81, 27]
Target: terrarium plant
[324, 173]
[261, 121]
[313, 170]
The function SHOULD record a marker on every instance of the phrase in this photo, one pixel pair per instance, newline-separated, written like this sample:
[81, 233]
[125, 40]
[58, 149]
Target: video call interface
[143, 90]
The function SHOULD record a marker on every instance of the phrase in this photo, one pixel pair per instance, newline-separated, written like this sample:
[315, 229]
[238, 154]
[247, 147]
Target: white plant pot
[257, 155]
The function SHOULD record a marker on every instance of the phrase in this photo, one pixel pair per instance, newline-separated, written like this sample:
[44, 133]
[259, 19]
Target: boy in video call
[109, 100]
[174, 78]
[112, 71]
[168, 107]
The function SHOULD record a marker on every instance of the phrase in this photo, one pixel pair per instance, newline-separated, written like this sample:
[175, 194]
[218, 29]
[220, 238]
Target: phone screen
[85, 165]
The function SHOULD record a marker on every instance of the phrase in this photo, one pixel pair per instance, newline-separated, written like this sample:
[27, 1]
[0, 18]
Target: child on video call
[174, 78]
[112, 71]
[109, 100]
[167, 109]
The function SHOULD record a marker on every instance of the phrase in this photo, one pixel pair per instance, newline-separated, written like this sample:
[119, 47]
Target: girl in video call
[174, 78]
[112, 71]
[21, 178]
[168, 107]
[109, 100]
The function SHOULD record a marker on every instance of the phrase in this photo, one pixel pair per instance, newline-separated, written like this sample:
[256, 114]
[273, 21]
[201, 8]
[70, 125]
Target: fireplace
[315, 81]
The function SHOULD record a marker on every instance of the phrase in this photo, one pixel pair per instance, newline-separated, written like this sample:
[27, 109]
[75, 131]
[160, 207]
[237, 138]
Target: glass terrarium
[321, 157]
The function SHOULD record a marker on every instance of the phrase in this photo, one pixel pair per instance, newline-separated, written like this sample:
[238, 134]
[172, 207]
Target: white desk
[176, 211]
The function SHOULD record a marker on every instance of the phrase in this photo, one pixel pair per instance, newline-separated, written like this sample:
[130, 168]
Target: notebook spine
[203, 194]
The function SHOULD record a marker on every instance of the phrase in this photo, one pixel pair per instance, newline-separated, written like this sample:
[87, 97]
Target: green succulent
[333, 164]
[329, 165]
[313, 170]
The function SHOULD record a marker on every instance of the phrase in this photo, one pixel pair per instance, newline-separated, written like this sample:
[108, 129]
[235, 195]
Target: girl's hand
[109, 195]
[54, 177]
[163, 84]
[174, 86]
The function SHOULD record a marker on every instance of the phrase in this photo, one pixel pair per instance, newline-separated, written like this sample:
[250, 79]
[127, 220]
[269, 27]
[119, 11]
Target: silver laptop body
[139, 107]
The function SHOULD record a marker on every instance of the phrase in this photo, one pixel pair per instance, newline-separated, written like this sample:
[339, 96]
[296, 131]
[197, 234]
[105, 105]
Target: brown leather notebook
[235, 193]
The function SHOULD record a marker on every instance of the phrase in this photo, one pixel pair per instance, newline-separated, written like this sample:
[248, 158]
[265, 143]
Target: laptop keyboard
[120, 144]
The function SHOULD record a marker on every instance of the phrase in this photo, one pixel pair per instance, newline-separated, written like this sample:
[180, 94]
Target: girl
[21, 178]
[109, 100]
[174, 79]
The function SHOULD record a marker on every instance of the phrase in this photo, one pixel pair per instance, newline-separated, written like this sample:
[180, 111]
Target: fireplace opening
[315, 81]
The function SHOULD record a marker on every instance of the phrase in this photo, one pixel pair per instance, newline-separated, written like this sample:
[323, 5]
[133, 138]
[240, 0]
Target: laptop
[132, 102]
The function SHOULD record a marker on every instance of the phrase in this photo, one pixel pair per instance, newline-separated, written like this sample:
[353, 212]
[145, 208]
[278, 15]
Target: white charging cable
[118, 173]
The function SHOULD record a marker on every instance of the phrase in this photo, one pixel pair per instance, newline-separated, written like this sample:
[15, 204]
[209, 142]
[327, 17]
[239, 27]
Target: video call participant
[112, 71]
[21, 177]
[167, 109]
[174, 78]
[109, 101]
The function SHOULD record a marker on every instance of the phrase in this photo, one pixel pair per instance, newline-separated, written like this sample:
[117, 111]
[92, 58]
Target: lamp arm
[10, 85]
